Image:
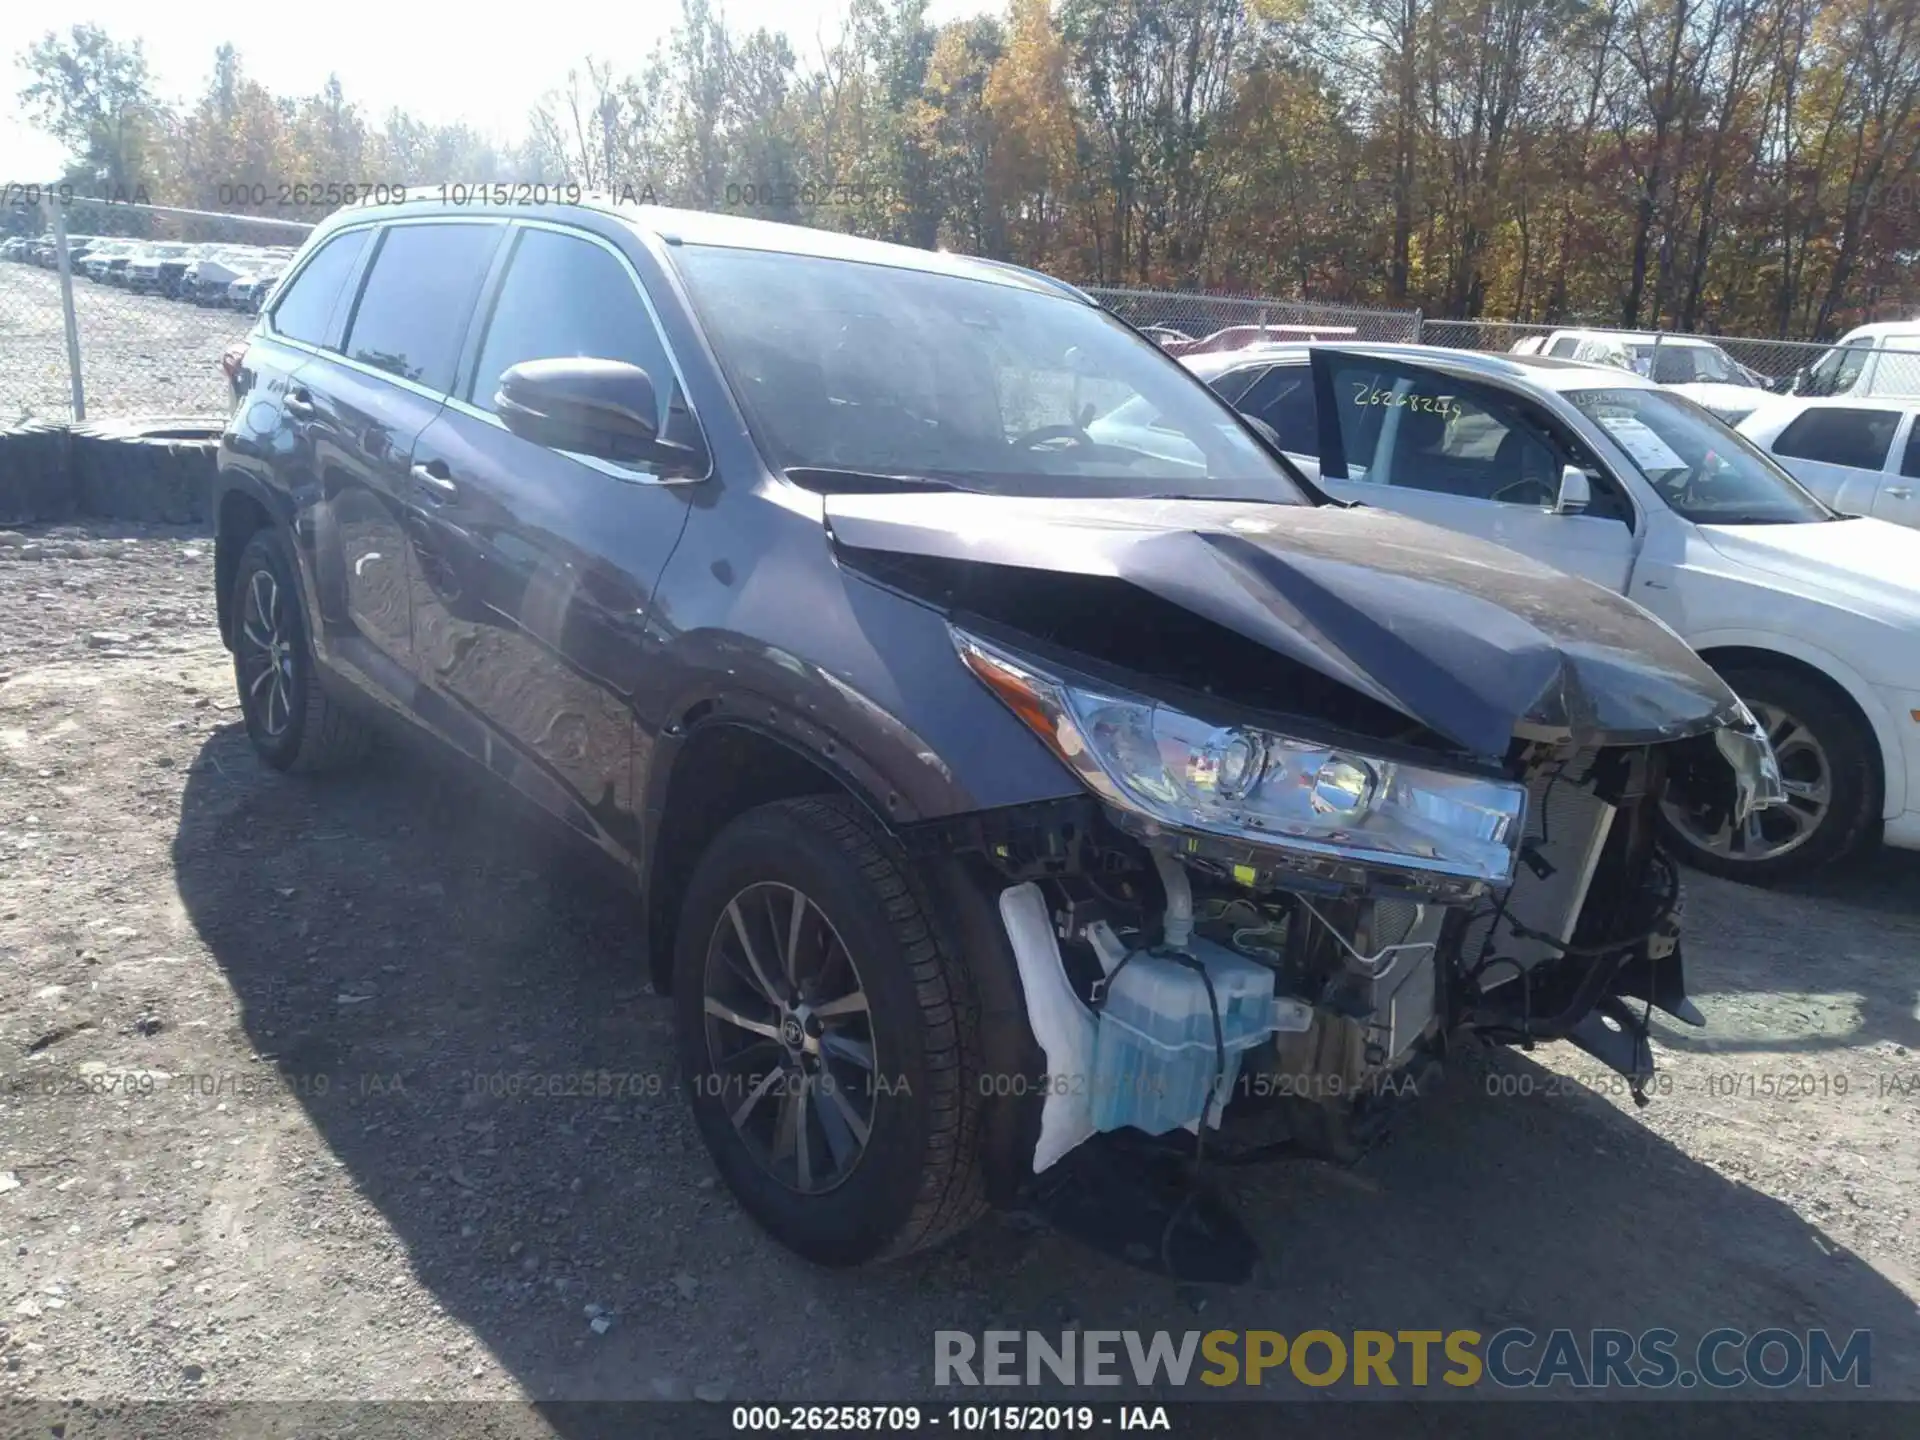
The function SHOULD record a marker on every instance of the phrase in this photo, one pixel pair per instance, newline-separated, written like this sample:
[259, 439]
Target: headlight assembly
[1259, 786]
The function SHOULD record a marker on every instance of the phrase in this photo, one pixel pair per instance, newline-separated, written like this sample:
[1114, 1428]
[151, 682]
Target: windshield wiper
[826, 479]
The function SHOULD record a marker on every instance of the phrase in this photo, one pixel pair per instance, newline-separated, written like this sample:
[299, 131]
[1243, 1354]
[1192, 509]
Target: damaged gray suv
[1000, 801]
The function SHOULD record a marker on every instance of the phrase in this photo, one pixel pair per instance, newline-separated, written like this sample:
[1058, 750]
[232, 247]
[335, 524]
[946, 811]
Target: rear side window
[415, 305]
[566, 297]
[305, 310]
[1235, 383]
[1840, 436]
[1910, 463]
[1284, 399]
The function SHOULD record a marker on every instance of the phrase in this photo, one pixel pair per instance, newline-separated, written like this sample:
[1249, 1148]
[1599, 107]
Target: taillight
[230, 361]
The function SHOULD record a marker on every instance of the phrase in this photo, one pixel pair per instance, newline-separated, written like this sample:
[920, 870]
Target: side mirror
[1267, 432]
[1575, 491]
[604, 408]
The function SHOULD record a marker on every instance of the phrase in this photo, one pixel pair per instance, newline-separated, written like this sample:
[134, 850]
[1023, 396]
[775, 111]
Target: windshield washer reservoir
[1155, 1055]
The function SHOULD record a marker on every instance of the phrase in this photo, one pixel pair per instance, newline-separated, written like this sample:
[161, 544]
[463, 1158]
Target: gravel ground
[140, 355]
[322, 992]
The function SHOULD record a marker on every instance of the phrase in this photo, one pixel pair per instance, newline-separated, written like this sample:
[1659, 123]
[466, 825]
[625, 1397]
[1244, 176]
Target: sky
[487, 67]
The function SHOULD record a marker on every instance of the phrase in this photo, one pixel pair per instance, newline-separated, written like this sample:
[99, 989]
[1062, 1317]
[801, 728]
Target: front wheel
[1829, 762]
[826, 1036]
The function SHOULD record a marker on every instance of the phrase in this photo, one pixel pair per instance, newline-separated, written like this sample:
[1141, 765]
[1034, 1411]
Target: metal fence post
[1653, 363]
[1419, 325]
[66, 307]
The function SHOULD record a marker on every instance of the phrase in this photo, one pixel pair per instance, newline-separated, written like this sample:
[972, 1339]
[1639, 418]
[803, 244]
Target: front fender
[1886, 733]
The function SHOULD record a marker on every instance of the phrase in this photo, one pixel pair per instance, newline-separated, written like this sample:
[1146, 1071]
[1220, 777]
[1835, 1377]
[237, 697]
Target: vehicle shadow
[449, 967]
[1805, 968]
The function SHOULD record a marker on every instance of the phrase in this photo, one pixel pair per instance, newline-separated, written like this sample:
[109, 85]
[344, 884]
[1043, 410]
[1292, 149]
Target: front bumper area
[1378, 985]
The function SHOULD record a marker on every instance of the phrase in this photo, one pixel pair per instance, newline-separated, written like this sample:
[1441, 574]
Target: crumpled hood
[1473, 641]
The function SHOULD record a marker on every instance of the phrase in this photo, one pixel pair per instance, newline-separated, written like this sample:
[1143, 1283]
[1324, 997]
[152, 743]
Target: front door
[1468, 456]
[533, 615]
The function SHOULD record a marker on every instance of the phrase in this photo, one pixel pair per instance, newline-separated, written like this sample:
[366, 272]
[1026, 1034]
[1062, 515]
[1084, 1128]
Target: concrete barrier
[155, 470]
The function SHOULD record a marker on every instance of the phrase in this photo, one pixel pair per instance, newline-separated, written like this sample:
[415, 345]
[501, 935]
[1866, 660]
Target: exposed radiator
[1566, 828]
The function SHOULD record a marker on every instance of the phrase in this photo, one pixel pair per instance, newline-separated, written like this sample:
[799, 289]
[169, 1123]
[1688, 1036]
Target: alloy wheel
[266, 654]
[789, 1038]
[1806, 773]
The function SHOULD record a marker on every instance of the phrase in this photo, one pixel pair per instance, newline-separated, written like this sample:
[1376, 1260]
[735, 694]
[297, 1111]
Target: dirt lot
[320, 993]
[140, 355]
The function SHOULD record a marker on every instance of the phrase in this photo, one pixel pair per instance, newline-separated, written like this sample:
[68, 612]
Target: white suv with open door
[1813, 618]
[1859, 454]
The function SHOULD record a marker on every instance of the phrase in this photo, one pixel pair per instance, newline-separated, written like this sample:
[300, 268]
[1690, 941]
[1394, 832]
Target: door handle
[297, 403]
[441, 485]
[1900, 492]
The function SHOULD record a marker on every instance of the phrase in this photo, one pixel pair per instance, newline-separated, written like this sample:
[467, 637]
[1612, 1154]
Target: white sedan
[1814, 618]
[1859, 454]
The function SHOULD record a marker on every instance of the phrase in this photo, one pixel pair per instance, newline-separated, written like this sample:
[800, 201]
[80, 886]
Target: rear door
[533, 616]
[1898, 498]
[271, 435]
[367, 402]
[1472, 457]
[1840, 452]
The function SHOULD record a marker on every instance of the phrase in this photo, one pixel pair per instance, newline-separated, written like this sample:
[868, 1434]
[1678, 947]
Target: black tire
[145, 469]
[315, 732]
[1854, 781]
[917, 1181]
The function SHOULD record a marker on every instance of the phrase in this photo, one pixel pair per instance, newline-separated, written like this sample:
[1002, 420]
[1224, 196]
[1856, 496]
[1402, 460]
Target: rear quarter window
[305, 311]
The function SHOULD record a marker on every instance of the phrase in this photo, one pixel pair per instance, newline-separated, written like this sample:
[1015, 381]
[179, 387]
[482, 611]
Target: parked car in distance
[250, 292]
[158, 267]
[114, 272]
[101, 257]
[1878, 359]
[1859, 454]
[1695, 368]
[942, 740]
[1240, 337]
[1814, 619]
[206, 281]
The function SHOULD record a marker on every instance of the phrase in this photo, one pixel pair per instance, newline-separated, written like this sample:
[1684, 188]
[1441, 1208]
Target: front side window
[845, 366]
[1419, 430]
[417, 299]
[1701, 469]
[1691, 364]
[1837, 369]
[565, 297]
[1840, 435]
[306, 308]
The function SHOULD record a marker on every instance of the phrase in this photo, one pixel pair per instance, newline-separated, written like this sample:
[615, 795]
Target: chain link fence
[130, 315]
[121, 310]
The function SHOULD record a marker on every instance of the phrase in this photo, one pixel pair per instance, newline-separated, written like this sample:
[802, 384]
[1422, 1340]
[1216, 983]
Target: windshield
[848, 366]
[1687, 364]
[1701, 469]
